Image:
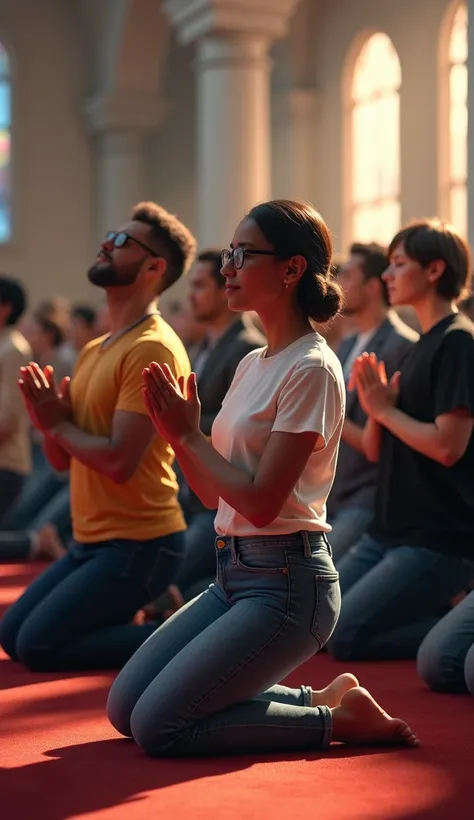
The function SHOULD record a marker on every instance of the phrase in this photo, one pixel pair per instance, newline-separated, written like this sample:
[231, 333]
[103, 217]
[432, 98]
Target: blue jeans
[16, 544]
[348, 527]
[391, 598]
[11, 485]
[38, 490]
[446, 657]
[77, 615]
[205, 682]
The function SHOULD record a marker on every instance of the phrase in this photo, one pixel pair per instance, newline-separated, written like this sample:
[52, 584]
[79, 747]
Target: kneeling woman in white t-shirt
[206, 682]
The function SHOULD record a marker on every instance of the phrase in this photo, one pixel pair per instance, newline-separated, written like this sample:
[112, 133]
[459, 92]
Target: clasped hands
[173, 404]
[377, 395]
[47, 405]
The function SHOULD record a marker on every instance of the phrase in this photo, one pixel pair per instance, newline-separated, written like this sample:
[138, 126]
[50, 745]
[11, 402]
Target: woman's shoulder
[316, 353]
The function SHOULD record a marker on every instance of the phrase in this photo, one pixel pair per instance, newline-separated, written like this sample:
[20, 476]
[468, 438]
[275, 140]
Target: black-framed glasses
[122, 237]
[238, 254]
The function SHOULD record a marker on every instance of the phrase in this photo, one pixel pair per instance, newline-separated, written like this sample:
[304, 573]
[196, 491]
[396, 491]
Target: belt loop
[307, 546]
[233, 550]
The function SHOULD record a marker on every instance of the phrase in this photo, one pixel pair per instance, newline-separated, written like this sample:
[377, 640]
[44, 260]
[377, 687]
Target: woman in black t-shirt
[400, 579]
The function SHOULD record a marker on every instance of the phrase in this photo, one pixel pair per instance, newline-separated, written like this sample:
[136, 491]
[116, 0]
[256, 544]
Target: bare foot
[359, 720]
[333, 694]
[149, 613]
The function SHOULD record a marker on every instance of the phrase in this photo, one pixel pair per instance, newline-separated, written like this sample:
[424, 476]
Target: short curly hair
[174, 241]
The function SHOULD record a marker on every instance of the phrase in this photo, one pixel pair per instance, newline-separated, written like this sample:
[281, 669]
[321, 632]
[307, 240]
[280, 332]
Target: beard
[106, 275]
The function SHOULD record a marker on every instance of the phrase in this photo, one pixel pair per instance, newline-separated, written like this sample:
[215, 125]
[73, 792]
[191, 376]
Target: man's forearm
[56, 455]
[371, 436]
[421, 436]
[95, 452]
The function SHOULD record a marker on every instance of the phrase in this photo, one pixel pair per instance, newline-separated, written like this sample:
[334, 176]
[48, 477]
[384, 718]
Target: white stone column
[120, 177]
[233, 151]
[470, 128]
[233, 104]
[120, 125]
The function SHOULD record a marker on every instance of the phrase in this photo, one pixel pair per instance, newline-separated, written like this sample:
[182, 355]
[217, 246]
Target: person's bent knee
[8, 646]
[146, 736]
[345, 644]
[438, 667]
[119, 711]
[342, 650]
[34, 653]
[428, 665]
[36, 658]
[8, 638]
[469, 670]
[156, 734]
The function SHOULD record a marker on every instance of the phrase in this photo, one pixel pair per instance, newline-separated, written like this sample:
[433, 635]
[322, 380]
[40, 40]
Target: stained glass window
[458, 121]
[5, 146]
[375, 142]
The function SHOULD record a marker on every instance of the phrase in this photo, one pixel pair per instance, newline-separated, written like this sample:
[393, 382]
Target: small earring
[287, 284]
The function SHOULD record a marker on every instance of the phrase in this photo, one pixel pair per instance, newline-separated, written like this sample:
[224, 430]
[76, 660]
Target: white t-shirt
[301, 389]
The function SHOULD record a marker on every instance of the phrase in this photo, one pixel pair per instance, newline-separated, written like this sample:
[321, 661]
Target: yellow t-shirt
[107, 379]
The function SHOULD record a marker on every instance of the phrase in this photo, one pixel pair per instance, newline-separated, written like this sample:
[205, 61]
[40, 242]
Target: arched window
[5, 146]
[375, 142]
[456, 199]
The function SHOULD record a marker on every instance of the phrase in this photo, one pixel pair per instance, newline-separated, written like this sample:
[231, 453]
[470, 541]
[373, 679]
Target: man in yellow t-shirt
[127, 523]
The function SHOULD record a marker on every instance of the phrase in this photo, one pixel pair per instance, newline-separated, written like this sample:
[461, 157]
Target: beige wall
[172, 151]
[50, 248]
[54, 49]
[414, 27]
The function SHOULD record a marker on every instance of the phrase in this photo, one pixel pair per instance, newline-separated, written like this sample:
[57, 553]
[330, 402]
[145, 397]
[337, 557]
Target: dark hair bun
[319, 296]
[297, 229]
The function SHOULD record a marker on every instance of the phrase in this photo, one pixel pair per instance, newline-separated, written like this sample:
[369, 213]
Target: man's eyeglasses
[237, 255]
[120, 239]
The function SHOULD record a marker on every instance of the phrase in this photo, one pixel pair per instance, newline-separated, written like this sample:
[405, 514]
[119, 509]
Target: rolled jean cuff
[307, 695]
[326, 716]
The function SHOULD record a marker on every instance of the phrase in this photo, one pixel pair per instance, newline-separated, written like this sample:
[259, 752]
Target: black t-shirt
[419, 502]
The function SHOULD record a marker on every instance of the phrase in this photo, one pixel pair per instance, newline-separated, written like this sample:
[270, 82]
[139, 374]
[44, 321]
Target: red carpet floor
[60, 759]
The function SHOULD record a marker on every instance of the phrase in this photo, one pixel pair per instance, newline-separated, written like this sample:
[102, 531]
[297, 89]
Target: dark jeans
[391, 598]
[78, 613]
[15, 544]
[199, 559]
[205, 682]
[348, 527]
[198, 567]
[446, 657]
[10, 488]
[38, 490]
